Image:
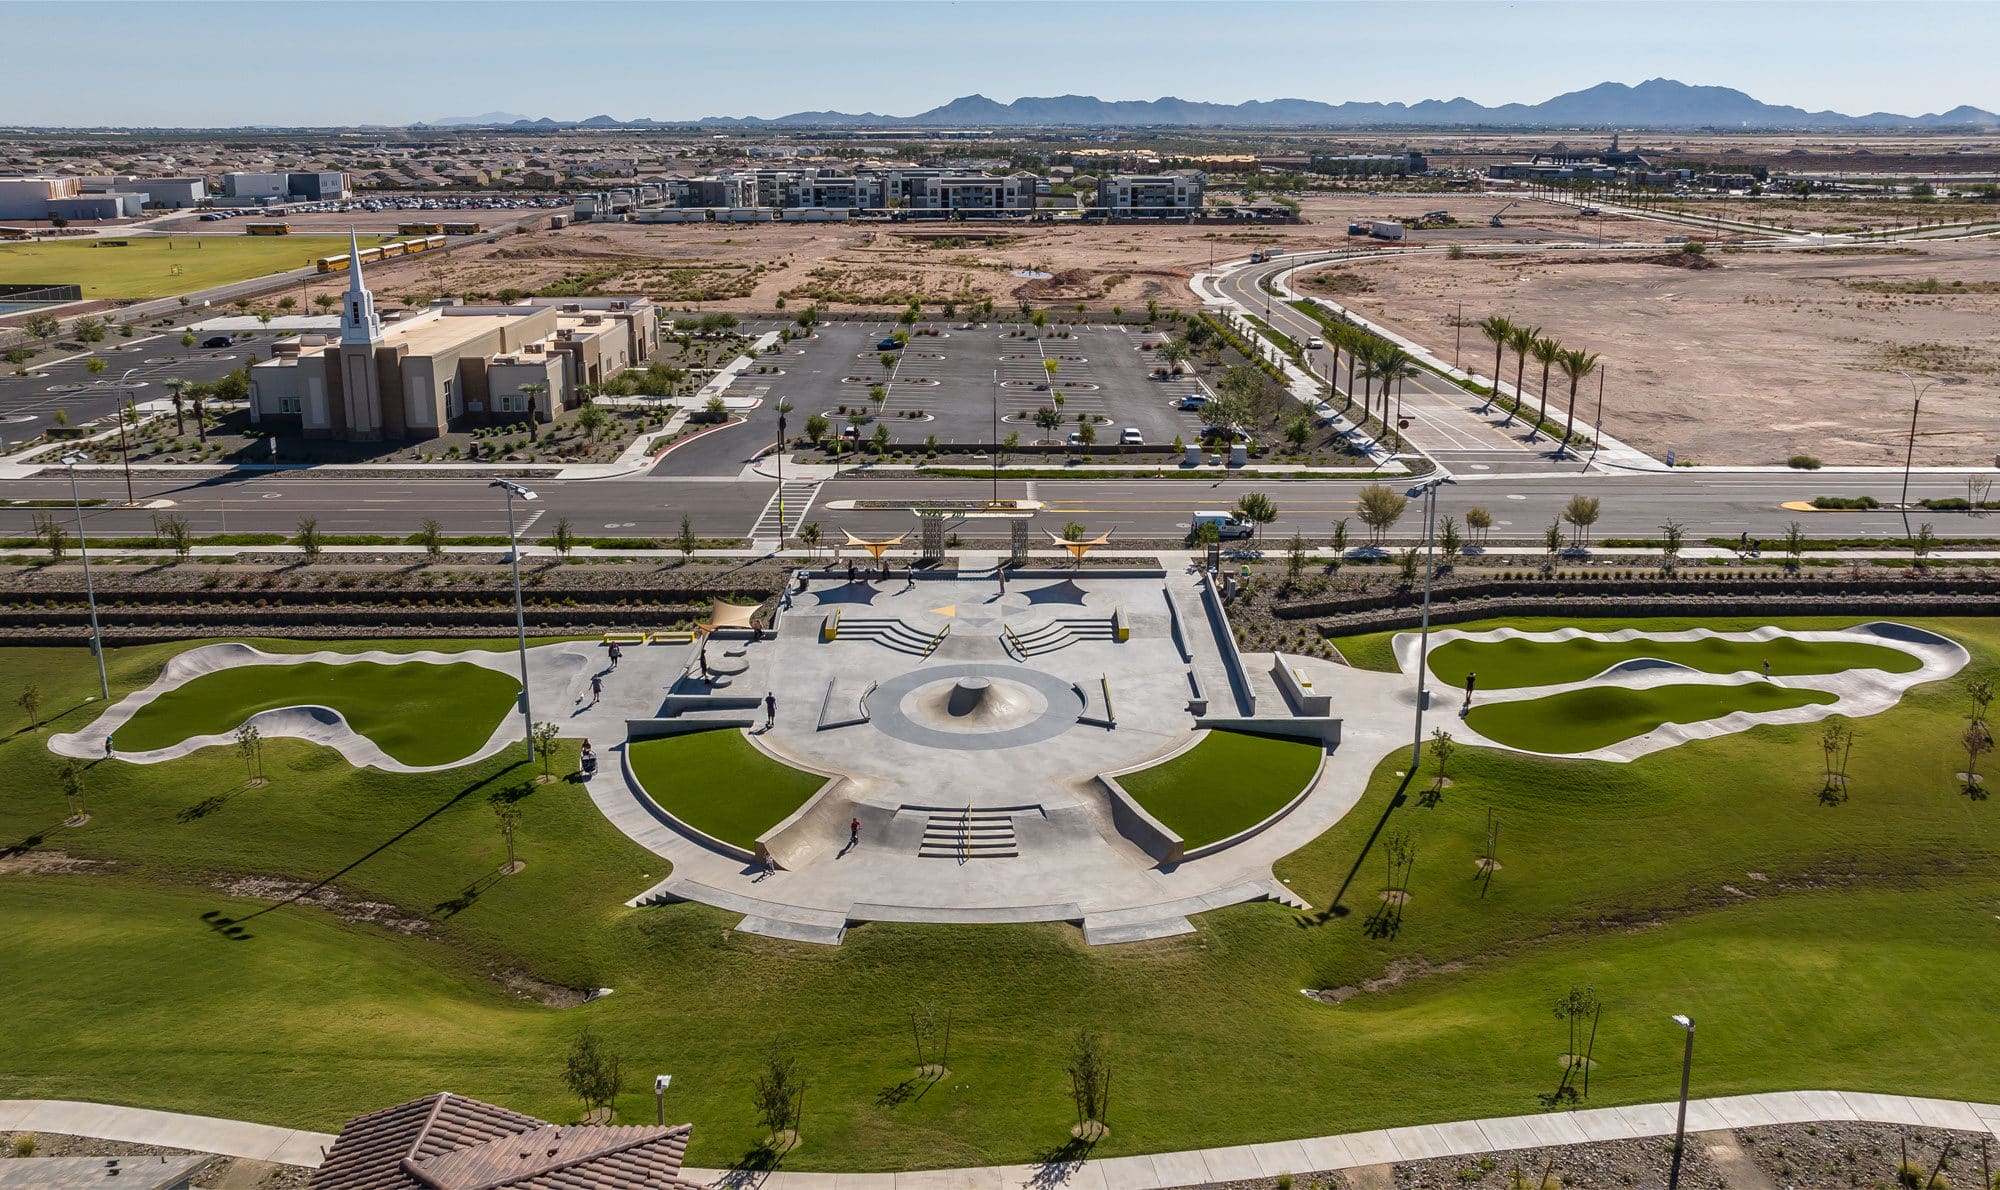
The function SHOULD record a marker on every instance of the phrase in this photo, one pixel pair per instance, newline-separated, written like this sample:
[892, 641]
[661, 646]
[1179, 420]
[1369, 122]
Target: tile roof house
[450, 1142]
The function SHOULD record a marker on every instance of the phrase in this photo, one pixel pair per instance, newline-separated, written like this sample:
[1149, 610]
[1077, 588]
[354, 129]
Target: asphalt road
[1522, 506]
[29, 403]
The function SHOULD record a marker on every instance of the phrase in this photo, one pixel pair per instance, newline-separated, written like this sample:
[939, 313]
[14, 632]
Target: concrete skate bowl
[1551, 693]
[399, 712]
[974, 707]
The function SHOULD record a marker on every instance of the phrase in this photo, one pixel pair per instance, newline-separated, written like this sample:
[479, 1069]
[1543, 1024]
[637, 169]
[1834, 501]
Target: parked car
[1130, 436]
[216, 341]
[889, 344]
[1192, 402]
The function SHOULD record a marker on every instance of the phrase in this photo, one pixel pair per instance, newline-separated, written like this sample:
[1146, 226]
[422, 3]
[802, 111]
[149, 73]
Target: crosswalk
[785, 512]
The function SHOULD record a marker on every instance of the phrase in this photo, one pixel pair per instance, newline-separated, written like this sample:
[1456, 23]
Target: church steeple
[359, 324]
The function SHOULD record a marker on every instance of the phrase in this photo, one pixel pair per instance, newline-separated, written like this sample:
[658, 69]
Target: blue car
[888, 345]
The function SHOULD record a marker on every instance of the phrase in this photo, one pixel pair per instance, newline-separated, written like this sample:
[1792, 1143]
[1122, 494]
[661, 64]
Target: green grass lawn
[719, 783]
[1506, 664]
[1372, 650]
[1846, 944]
[1583, 720]
[418, 712]
[144, 268]
[1229, 782]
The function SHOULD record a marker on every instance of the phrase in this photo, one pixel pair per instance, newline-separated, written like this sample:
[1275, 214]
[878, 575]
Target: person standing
[1767, 669]
[854, 832]
[703, 659]
[1471, 680]
[770, 710]
[616, 653]
[596, 688]
[108, 737]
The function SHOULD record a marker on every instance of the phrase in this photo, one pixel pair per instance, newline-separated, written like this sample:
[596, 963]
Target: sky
[322, 62]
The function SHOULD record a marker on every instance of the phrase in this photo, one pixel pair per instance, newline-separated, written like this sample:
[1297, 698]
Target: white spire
[358, 321]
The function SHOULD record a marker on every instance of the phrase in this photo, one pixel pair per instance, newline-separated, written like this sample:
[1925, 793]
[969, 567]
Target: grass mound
[418, 712]
[1229, 782]
[1506, 664]
[1583, 720]
[720, 784]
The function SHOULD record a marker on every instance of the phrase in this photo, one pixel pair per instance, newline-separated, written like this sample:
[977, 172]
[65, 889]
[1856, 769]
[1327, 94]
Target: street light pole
[520, 617]
[125, 455]
[1428, 490]
[996, 435]
[70, 461]
[1680, 1124]
[1910, 453]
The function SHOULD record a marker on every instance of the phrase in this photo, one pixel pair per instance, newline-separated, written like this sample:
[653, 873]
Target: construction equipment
[1495, 221]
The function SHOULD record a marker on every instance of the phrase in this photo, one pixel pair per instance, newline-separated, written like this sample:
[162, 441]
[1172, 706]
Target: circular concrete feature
[974, 707]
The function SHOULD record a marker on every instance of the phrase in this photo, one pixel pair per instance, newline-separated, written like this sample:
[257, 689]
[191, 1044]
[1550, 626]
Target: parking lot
[136, 370]
[953, 379]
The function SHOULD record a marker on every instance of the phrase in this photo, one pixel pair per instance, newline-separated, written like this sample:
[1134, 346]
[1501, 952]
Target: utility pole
[1680, 1125]
[520, 617]
[1427, 489]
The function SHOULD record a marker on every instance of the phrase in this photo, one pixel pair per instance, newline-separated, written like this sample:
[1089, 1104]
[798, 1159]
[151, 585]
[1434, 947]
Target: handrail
[938, 639]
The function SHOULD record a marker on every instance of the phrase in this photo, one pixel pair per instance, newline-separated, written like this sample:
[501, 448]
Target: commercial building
[1149, 196]
[1369, 165]
[1540, 171]
[110, 204]
[29, 197]
[313, 186]
[447, 366]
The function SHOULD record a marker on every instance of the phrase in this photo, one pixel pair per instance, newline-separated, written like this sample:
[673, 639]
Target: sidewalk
[1153, 1171]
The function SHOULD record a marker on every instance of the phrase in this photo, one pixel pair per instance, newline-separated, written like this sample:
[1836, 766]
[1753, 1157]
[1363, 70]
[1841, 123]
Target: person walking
[1471, 680]
[702, 657]
[1767, 669]
[1002, 572]
[616, 653]
[596, 688]
[770, 710]
[108, 737]
[853, 832]
[850, 572]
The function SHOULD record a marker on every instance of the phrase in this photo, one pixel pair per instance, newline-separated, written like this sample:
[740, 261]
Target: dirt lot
[855, 266]
[1761, 357]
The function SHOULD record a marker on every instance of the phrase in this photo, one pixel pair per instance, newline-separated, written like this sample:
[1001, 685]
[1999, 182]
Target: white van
[1225, 524]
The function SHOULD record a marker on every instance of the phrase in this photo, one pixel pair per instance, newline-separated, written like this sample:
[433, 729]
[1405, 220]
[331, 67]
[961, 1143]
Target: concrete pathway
[1152, 1171]
[141, 1126]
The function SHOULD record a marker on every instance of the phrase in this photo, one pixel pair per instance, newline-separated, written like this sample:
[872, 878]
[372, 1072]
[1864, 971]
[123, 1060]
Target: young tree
[545, 736]
[51, 533]
[1258, 509]
[1008, 446]
[31, 702]
[685, 540]
[95, 365]
[591, 1072]
[1049, 420]
[816, 428]
[70, 776]
[1086, 433]
[1051, 367]
[1581, 512]
[1448, 539]
[808, 535]
[1299, 431]
[1552, 540]
[1339, 544]
[1925, 540]
[250, 746]
[1578, 1008]
[1836, 744]
[1380, 507]
[430, 535]
[308, 538]
[1672, 535]
[878, 395]
[508, 815]
[1977, 742]
[1480, 522]
[1981, 692]
[1089, 1083]
[1441, 747]
[778, 1092]
[932, 1036]
[1295, 559]
[564, 537]
[1406, 564]
[591, 420]
[1041, 319]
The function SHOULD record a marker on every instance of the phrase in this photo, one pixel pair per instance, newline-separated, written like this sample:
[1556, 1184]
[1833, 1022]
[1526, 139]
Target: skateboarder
[853, 832]
[770, 710]
[596, 688]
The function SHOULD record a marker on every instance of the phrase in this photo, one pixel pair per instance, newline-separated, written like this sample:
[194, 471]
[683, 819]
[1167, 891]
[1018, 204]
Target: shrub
[24, 1145]
[1861, 503]
[1803, 462]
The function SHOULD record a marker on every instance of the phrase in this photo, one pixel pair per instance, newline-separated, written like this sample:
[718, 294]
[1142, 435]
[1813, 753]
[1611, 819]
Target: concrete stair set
[968, 834]
[889, 632]
[1060, 633]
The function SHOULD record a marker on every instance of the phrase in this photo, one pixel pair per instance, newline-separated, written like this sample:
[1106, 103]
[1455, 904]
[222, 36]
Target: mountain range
[1656, 103]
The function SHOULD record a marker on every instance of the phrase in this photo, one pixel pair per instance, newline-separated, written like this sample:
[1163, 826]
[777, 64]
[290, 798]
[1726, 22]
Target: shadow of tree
[203, 808]
[231, 927]
[453, 906]
[1055, 1167]
[897, 1093]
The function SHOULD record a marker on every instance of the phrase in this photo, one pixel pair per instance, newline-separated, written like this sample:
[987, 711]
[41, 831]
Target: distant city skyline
[345, 62]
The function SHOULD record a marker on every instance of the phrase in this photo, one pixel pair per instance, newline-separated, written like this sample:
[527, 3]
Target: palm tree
[1575, 366]
[1499, 332]
[1367, 350]
[1394, 367]
[174, 386]
[1522, 340]
[1546, 353]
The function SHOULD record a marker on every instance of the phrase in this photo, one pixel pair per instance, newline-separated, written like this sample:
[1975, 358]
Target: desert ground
[748, 267]
[1760, 356]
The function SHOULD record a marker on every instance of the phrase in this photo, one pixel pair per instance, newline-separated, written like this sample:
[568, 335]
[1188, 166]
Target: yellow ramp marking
[949, 609]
